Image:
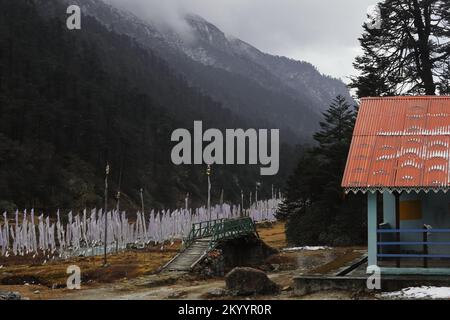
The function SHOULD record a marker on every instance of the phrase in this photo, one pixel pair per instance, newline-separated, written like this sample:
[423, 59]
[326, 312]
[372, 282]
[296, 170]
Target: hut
[399, 157]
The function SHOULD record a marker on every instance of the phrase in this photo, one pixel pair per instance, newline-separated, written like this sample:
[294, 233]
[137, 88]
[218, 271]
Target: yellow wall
[410, 210]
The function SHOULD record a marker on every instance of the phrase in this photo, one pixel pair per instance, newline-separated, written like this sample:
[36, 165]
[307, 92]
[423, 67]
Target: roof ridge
[407, 98]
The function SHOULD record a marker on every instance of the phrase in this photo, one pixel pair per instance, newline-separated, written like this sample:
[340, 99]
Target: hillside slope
[71, 101]
[266, 90]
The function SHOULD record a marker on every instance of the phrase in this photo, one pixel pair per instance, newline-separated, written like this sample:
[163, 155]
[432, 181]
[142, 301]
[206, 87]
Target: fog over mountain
[266, 90]
[164, 14]
[72, 101]
[321, 32]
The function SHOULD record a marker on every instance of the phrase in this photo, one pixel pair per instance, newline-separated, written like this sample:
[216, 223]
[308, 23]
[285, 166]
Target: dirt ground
[43, 277]
[133, 274]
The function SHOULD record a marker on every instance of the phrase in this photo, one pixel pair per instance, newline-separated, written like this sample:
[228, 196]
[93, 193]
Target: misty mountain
[73, 101]
[266, 90]
[299, 79]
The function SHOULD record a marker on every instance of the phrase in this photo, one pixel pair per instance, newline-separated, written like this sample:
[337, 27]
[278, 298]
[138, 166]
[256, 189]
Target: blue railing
[414, 230]
[425, 243]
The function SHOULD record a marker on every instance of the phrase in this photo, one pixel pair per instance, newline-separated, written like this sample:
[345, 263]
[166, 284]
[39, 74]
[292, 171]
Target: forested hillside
[72, 100]
[263, 89]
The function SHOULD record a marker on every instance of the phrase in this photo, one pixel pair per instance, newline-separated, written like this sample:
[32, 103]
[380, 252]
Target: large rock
[249, 281]
[7, 295]
[248, 251]
[216, 293]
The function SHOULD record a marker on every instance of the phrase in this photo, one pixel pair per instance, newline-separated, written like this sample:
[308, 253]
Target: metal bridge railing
[221, 229]
[232, 229]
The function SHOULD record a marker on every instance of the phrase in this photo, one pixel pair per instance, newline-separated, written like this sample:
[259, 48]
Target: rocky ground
[132, 274]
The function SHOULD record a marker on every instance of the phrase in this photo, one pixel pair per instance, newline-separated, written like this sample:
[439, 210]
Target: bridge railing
[221, 229]
[202, 230]
[232, 229]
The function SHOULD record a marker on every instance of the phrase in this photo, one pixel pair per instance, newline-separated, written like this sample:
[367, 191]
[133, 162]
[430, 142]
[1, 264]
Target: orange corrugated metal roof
[400, 143]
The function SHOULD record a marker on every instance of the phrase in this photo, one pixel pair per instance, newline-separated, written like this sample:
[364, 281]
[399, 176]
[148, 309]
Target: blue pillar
[389, 208]
[372, 228]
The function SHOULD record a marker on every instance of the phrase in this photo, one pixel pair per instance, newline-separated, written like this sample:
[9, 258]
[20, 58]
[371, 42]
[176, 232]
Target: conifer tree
[409, 54]
[317, 213]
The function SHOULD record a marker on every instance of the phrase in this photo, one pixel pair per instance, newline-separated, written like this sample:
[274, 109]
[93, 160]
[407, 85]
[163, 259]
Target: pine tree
[334, 140]
[300, 187]
[409, 53]
[315, 209]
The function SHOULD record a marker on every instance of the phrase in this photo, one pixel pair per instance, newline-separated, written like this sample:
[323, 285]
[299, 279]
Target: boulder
[8, 295]
[177, 295]
[216, 293]
[249, 281]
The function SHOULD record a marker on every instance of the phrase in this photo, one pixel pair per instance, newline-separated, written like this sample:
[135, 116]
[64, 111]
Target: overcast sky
[323, 32]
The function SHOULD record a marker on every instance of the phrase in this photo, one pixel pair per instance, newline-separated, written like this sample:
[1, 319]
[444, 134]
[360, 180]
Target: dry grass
[23, 273]
[36, 280]
[274, 235]
[343, 257]
[43, 278]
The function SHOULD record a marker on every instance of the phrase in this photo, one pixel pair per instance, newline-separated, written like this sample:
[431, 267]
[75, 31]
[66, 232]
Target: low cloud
[162, 13]
[323, 32]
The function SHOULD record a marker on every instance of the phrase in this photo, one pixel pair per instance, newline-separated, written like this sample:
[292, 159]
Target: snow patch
[423, 292]
[200, 55]
[307, 248]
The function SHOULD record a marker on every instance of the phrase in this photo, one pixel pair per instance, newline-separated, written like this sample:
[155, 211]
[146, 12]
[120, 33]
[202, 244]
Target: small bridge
[205, 236]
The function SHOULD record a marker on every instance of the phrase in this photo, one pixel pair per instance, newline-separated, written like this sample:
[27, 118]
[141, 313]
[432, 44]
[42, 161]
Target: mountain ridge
[266, 90]
[286, 69]
[73, 101]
